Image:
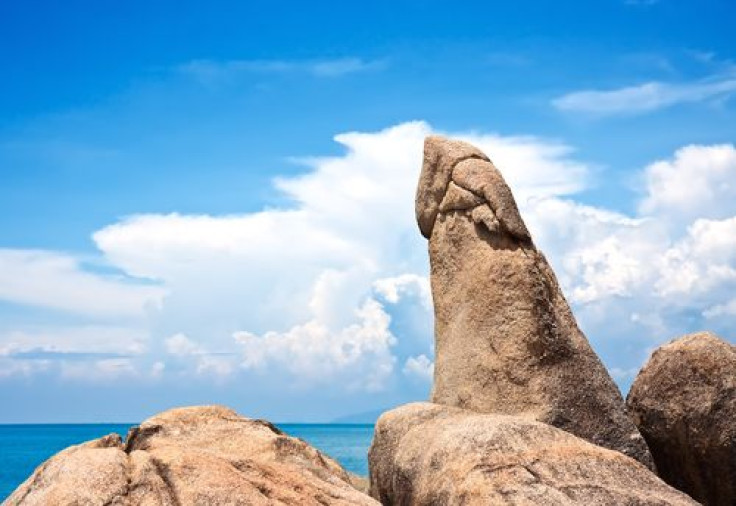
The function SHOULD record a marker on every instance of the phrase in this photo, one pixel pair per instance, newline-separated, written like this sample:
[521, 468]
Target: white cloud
[702, 261]
[157, 369]
[316, 353]
[642, 260]
[420, 367]
[698, 182]
[392, 288]
[219, 367]
[58, 281]
[204, 362]
[645, 97]
[181, 345]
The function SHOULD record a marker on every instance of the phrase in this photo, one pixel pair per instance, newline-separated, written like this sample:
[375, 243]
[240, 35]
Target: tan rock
[191, 456]
[440, 157]
[684, 403]
[427, 454]
[506, 340]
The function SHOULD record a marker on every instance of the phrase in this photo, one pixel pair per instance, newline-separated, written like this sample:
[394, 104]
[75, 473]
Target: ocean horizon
[23, 447]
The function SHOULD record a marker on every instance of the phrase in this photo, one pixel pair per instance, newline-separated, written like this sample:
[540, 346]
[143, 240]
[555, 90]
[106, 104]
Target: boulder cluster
[522, 410]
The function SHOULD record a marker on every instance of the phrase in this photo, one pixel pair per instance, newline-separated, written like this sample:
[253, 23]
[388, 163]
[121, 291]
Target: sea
[24, 447]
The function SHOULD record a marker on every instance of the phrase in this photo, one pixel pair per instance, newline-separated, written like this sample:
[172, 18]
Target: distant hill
[364, 417]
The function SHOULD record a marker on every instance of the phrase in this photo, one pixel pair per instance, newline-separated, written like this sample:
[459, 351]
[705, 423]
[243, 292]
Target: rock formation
[684, 403]
[428, 454]
[505, 339]
[198, 455]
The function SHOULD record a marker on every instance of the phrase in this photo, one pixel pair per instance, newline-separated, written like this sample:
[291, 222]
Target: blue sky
[213, 203]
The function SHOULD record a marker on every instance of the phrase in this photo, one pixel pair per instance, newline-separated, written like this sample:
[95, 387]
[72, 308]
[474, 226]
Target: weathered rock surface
[505, 338]
[684, 403]
[191, 456]
[428, 454]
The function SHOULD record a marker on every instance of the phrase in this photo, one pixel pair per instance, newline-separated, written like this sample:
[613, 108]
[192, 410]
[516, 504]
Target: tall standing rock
[684, 402]
[505, 338]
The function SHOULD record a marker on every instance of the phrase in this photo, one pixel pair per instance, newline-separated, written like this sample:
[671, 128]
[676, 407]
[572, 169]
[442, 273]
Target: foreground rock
[427, 454]
[505, 338]
[191, 456]
[684, 402]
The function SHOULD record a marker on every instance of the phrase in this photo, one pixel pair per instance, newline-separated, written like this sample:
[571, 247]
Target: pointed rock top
[440, 157]
[455, 173]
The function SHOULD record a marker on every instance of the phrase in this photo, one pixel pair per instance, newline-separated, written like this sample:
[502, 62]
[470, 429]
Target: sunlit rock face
[506, 340]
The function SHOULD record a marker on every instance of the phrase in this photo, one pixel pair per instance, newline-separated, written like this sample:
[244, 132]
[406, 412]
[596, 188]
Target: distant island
[364, 417]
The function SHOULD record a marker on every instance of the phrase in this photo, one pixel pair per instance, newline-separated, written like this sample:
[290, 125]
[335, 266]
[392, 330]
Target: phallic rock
[505, 338]
[684, 403]
[428, 454]
[199, 455]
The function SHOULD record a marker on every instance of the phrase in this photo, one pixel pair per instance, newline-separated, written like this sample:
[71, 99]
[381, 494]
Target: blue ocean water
[24, 447]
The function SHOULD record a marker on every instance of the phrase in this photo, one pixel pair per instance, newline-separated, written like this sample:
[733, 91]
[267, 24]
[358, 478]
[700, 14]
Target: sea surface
[24, 447]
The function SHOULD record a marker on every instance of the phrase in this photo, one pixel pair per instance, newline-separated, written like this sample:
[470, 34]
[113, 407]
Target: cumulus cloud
[393, 288]
[645, 97]
[218, 365]
[698, 182]
[181, 345]
[420, 367]
[316, 353]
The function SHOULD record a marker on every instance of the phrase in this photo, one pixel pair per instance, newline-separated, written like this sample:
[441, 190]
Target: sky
[213, 202]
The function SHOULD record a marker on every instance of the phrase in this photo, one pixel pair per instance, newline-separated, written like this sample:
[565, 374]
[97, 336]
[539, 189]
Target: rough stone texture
[428, 454]
[684, 403]
[506, 340]
[191, 456]
[440, 157]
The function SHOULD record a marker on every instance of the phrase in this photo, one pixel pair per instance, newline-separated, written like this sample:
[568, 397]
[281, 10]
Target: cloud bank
[330, 291]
